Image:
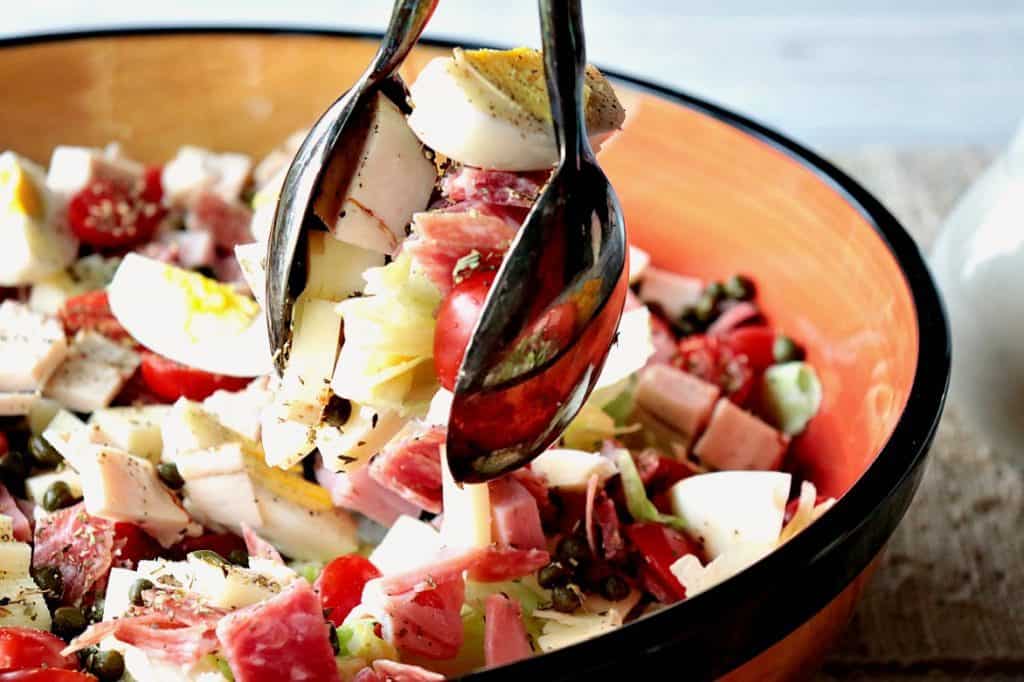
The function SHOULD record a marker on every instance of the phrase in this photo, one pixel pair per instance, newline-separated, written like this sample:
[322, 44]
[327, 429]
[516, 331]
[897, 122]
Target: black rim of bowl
[720, 630]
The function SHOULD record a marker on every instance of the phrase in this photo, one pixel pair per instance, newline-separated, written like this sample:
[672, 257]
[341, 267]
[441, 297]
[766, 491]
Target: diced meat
[194, 170]
[9, 507]
[736, 439]
[72, 169]
[393, 671]
[537, 486]
[679, 399]
[358, 491]
[494, 187]
[257, 547]
[226, 269]
[282, 638]
[94, 372]
[665, 348]
[122, 487]
[188, 248]
[671, 292]
[411, 467]
[505, 639]
[79, 545]
[368, 674]
[421, 616]
[515, 518]
[498, 564]
[732, 317]
[443, 238]
[227, 221]
[32, 346]
[513, 216]
[607, 519]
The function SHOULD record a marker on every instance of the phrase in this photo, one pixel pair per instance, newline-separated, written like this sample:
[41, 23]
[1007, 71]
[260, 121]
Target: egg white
[156, 311]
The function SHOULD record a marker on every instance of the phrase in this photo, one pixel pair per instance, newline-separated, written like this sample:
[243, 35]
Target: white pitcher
[979, 263]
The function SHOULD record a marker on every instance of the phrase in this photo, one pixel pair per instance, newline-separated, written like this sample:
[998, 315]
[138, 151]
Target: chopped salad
[172, 509]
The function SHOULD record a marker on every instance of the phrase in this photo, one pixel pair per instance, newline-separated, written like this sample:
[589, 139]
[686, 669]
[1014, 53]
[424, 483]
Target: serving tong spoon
[552, 312]
[323, 153]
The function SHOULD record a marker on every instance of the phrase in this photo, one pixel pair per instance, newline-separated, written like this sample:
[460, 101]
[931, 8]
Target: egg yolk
[18, 194]
[209, 298]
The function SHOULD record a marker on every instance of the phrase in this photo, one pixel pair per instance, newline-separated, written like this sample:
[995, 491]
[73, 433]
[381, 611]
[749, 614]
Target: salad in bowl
[173, 509]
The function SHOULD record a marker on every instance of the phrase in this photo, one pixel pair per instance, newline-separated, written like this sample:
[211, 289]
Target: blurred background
[833, 73]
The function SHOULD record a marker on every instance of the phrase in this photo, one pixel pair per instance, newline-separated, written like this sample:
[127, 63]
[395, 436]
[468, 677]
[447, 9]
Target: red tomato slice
[711, 359]
[46, 675]
[132, 545]
[221, 543]
[660, 546]
[754, 342]
[91, 311]
[171, 380]
[341, 585]
[24, 648]
[455, 321]
[110, 216]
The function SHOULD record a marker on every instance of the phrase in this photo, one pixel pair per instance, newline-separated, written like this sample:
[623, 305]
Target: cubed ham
[227, 221]
[32, 346]
[733, 316]
[505, 638]
[258, 547]
[499, 564]
[94, 372]
[122, 487]
[79, 545]
[424, 618]
[22, 530]
[515, 518]
[463, 183]
[736, 439]
[194, 170]
[282, 638]
[190, 249]
[665, 345]
[358, 491]
[681, 400]
[75, 168]
[411, 467]
[443, 238]
[671, 292]
[383, 670]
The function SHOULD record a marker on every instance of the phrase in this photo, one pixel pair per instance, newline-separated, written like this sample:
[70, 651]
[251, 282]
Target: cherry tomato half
[91, 311]
[108, 215]
[754, 342]
[714, 361]
[24, 648]
[455, 321]
[341, 585]
[171, 380]
[46, 675]
[132, 545]
[660, 546]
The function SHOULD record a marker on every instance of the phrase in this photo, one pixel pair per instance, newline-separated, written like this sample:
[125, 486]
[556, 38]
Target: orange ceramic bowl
[707, 193]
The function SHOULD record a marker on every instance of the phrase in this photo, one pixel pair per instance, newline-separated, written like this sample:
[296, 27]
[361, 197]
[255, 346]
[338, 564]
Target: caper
[337, 412]
[207, 271]
[210, 557]
[68, 622]
[572, 550]
[785, 349]
[715, 291]
[614, 588]
[58, 496]
[13, 466]
[565, 599]
[94, 613]
[169, 474]
[553, 575]
[44, 454]
[687, 323]
[239, 557]
[136, 590]
[704, 309]
[740, 288]
[332, 635]
[50, 581]
[107, 665]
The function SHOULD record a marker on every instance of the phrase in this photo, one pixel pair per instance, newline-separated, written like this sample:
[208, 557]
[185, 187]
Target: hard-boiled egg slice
[489, 108]
[189, 318]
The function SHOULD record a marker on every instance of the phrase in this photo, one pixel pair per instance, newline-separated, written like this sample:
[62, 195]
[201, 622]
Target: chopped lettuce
[310, 570]
[591, 427]
[637, 502]
[358, 638]
[471, 653]
[526, 591]
[791, 396]
[385, 361]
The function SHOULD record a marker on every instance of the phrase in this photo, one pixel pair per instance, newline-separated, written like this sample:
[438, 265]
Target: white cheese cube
[226, 500]
[366, 432]
[6, 528]
[36, 486]
[467, 511]
[336, 268]
[119, 584]
[72, 169]
[230, 587]
[572, 469]
[252, 260]
[32, 346]
[408, 544]
[134, 429]
[241, 411]
[189, 427]
[195, 169]
[302, 533]
[94, 372]
[15, 560]
[66, 433]
[24, 605]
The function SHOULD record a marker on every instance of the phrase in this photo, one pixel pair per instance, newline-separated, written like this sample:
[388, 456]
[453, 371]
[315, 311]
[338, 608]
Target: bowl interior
[702, 196]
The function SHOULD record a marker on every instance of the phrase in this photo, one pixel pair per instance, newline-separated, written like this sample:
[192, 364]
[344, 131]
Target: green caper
[68, 622]
[44, 454]
[785, 349]
[94, 613]
[169, 474]
[50, 581]
[704, 309]
[565, 599]
[210, 557]
[614, 588]
[239, 557]
[337, 412]
[332, 635]
[58, 496]
[136, 590]
[13, 466]
[107, 665]
[687, 323]
[572, 550]
[715, 291]
[553, 575]
[86, 655]
[740, 288]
